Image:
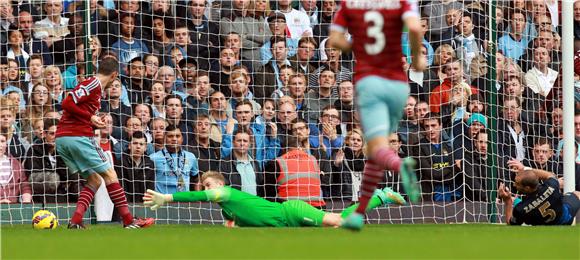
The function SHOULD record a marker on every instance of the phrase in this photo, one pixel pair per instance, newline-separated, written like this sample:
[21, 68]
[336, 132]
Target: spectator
[514, 43]
[128, 47]
[436, 11]
[175, 169]
[298, 23]
[466, 45]
[138, 86]
[14, 73]
[14, 186]
[6, 19]
[294, 175]
[443, 54]
[38, 106]
[532, 103]
[297, 89]
[132, 125]
[304, 58]
[321, 30]
[200, 101]
[62, 50]
[285, 73]
[268, 79]
[45, 170]
[205, 34]
[206, 150]
[33, 76]
[151, 65]
[345, 104]
[252, 29]
[144, 113]
[513, 133]
[544, 39]
[53, 80]
[218, 116]
[419, 81]
[158, 96]
[112, 104]
[221, 70]
[330, 134]
[166, 75]
[240, 170]
[161, 32]
[439, 178]
[441, 95]
[265, 147]
[158, 126]
[463, 140]
[311, 10]
[135, 170]
[302, 130]
[322, 95]
[17, 146]
[54, 27]
[240, 92]
[429, 52]
[409, 126]
[175, 116]
[277, 24]
[330, 59]
[70, 80]
[475, 168]
[286, 113]
[543, 158]
[188, 70]
[541, 78]
[348, 166]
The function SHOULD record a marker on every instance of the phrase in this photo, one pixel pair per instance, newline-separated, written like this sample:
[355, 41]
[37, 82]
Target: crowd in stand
[245, 87]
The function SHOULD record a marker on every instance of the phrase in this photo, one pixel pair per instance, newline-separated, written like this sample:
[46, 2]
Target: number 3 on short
[375, 31]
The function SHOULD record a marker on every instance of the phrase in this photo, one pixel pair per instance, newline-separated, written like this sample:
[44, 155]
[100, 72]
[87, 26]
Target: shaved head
[527, 181]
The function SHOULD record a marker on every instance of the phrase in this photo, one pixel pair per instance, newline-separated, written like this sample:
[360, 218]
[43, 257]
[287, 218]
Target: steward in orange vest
[295, 176]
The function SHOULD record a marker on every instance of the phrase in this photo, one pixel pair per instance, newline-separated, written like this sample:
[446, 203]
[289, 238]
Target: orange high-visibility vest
[299, 178]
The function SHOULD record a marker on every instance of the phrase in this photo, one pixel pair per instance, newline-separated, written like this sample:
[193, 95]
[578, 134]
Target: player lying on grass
[543, 203]
[246, 210]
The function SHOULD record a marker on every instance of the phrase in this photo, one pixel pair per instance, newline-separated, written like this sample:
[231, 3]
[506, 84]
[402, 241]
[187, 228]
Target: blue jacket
[165, 180]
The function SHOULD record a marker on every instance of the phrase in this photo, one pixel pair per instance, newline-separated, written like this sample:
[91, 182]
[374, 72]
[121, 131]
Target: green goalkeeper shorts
[302, 214]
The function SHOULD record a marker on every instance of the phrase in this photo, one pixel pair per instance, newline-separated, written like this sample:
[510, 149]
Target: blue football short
[82, 155]
[381, 103]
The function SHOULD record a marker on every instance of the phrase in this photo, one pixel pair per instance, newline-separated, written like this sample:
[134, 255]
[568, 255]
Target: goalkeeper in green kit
[247, 210]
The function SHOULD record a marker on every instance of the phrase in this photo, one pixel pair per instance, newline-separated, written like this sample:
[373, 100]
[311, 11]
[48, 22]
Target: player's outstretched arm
[154, 199]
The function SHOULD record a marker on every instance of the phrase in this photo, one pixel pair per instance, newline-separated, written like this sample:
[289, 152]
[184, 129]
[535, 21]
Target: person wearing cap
[463, 142]
[277, 24]
[474, 166]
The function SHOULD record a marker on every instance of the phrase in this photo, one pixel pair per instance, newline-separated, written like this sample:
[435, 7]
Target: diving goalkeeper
[246, 210]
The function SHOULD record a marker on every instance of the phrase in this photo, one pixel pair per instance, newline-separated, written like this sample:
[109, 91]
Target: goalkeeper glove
[154, 199]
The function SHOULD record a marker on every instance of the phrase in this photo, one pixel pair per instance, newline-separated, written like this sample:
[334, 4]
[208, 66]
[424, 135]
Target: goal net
[241, 80]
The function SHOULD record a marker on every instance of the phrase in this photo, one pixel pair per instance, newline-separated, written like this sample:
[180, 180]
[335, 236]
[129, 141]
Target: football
[44, 219]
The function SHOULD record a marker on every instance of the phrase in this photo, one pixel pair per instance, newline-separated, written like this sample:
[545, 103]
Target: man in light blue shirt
[514, 44]
[175, 168]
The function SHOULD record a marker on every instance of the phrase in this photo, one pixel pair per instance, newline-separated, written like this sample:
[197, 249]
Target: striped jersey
[87, 96]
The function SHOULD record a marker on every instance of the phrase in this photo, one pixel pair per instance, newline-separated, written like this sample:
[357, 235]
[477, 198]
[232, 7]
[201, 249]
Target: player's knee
[94, 181]
[110, 176]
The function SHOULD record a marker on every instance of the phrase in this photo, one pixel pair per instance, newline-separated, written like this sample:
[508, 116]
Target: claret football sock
[120, 200]
[85, 198]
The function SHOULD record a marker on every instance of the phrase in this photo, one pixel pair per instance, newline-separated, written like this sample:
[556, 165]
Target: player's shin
[119, 199]
[373, 173]
[85, 199]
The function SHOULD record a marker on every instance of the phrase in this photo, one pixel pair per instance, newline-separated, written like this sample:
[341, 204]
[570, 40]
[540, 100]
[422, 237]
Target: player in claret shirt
[75, 142]
[381, 83]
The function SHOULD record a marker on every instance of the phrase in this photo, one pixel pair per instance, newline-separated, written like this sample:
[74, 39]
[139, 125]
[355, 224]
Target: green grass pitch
[375, 241]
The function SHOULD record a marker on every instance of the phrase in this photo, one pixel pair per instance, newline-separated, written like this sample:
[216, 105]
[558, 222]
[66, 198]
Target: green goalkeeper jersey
[245, 209]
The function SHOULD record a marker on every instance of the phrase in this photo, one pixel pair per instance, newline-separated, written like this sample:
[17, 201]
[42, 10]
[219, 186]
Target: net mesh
[243, 79]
